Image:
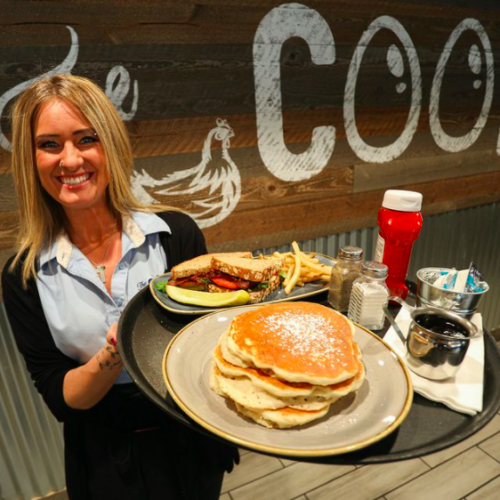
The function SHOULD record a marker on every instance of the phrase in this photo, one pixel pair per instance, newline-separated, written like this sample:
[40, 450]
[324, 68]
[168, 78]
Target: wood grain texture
[424, 162]
[487, 492]
[491, 446]
[252, 466]
[183, 135]
[376, 480]
[199, 22]
[483, 437]
[469, 471]
[330, 215]
[290, 482]
[273, 212]
[193, 62]
[183, 81]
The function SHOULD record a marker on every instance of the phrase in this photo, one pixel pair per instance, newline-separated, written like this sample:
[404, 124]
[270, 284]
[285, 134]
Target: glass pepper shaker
[346, 269]
[369, 296]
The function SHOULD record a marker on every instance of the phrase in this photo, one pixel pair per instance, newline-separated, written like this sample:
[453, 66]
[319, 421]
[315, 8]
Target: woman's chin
[82, 197]
[75, 202]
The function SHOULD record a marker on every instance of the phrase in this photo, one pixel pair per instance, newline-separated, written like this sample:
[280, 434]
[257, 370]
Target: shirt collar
[136, 226]
[61, 250]
[141, 224]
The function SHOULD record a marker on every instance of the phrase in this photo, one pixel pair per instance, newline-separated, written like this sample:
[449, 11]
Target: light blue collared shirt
[77, 306]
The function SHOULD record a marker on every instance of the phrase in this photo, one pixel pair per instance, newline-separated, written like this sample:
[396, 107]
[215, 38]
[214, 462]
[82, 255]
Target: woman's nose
[71, 157]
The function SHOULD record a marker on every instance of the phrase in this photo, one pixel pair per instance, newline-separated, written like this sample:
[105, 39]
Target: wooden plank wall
[194, 64]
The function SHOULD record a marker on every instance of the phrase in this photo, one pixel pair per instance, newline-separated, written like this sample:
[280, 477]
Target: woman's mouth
[74, 181]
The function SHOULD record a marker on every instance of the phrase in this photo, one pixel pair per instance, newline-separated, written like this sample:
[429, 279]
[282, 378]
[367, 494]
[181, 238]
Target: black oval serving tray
[145, 329]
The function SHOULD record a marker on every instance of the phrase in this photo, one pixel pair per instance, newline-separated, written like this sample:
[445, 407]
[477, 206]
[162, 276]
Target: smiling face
[69, 157]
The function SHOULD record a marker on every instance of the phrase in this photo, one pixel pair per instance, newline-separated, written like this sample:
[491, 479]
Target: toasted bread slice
[203, 264]
[256, 270]
[259, 295]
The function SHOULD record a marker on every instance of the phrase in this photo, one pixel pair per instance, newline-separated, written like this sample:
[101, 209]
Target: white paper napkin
[463, 392]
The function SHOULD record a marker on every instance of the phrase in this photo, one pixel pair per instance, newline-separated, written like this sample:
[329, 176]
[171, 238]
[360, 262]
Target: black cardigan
[105, 457]
[45, 362]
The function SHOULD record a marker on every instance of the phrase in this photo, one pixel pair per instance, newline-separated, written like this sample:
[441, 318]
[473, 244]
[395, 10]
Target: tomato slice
[226, 282]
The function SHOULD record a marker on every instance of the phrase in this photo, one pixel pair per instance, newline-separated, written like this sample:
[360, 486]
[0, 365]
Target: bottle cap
[374, 269]
[351, 253]
[403, 201]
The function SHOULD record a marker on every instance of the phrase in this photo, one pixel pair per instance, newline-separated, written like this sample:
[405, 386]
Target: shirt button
[119, 302]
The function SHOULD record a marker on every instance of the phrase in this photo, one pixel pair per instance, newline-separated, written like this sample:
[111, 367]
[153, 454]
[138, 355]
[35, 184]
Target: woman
[85, 247]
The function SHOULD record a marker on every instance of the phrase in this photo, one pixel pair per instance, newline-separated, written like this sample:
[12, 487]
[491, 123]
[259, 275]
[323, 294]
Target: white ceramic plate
[279, 295]
[354, 422]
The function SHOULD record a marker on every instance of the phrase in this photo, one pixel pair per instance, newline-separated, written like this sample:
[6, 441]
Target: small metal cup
[463, 303]
[435, 355]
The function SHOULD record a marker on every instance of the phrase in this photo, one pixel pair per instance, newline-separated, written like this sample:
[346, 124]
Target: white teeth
[73, 181]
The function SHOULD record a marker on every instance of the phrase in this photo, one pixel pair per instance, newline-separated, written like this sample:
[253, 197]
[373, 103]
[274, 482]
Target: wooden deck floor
[469, 470]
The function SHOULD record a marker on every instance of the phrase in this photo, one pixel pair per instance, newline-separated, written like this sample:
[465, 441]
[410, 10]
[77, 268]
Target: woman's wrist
[86, 385]
[109, 357]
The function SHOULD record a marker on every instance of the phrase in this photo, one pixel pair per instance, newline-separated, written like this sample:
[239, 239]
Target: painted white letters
[117, 85]
[117, 88]
[443, 140]
[280, 24]
[65, 67]
[396, 66]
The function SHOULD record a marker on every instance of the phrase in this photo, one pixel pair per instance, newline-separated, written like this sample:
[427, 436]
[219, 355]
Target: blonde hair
[42, 218]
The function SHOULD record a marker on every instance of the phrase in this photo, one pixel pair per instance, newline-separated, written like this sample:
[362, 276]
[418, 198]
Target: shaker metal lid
[374, 269]
[351, 253]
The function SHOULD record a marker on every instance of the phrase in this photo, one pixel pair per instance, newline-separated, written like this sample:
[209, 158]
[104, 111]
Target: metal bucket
[463, 303]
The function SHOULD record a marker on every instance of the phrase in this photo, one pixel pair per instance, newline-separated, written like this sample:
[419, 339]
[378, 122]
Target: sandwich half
[259, 277]
[202, 264]
[218, 273]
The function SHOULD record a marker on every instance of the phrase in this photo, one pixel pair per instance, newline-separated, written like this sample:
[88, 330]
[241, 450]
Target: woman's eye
[89, 139]
[47, 145]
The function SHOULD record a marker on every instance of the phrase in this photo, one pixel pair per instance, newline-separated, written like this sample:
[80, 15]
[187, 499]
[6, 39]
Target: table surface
[145, 329]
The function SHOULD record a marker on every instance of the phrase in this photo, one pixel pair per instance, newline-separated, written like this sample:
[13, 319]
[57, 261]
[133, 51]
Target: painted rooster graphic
[217, 182]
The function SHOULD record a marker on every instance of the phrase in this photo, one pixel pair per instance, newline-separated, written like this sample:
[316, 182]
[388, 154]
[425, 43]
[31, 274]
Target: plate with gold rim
[279, 295]
[356, 421]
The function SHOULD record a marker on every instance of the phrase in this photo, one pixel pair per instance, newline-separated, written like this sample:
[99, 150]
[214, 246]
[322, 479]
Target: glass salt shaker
[369, 296]
[346, 269]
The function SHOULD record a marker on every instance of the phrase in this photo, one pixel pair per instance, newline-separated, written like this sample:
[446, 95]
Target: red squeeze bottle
[400, 221]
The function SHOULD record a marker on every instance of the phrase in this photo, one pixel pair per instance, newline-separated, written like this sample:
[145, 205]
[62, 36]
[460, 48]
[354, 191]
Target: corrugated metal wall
[31, 448]
[31, 445]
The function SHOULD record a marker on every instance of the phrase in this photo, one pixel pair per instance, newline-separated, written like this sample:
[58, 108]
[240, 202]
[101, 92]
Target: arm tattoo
[116, 360]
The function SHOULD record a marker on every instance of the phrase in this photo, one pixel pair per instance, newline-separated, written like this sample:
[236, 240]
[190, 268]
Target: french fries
[295, 275]
[301, 268]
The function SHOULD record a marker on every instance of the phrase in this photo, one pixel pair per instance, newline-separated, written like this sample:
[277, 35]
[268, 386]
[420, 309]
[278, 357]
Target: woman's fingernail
[113, 341]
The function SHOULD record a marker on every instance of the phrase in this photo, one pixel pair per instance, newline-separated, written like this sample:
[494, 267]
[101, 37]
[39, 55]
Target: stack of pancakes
[284, 364]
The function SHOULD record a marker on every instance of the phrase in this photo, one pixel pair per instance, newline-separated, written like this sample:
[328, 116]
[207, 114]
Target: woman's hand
[111, 335]
[109, 357]
[86, 385]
